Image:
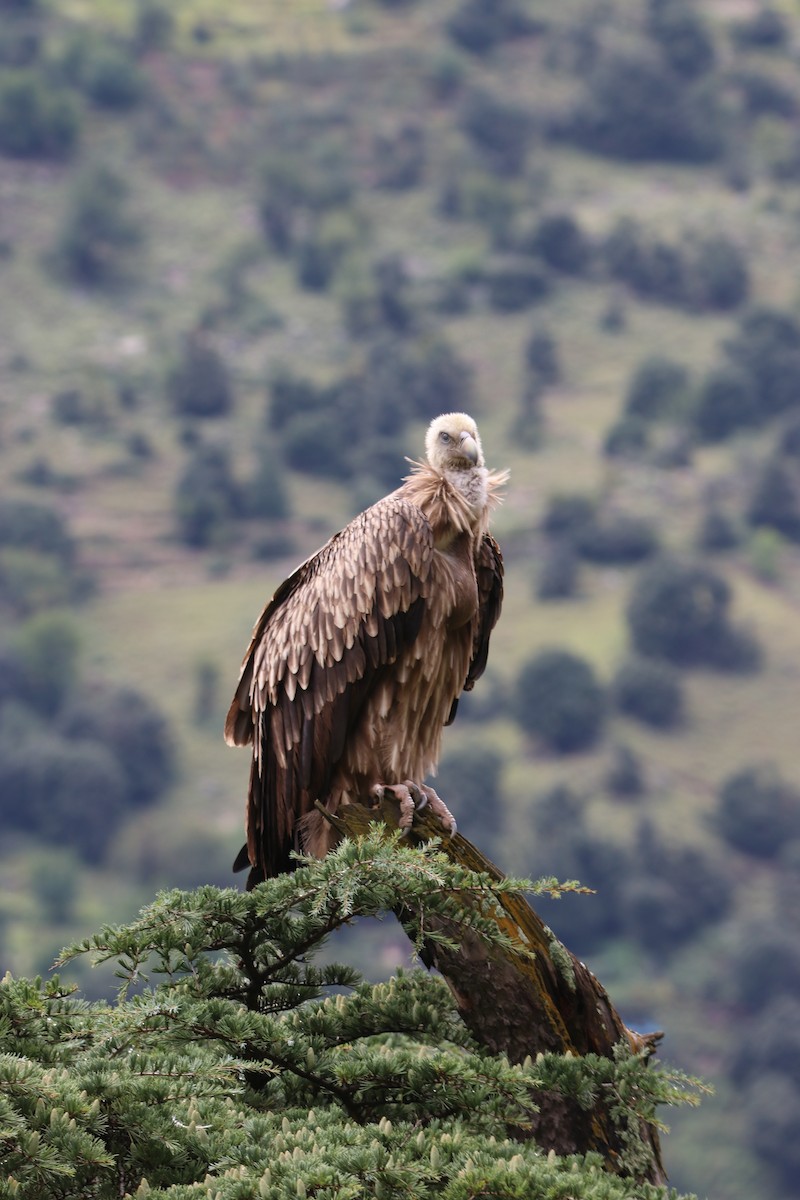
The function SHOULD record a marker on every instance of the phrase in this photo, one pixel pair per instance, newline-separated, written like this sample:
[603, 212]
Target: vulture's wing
[489, 573]
[323, 641]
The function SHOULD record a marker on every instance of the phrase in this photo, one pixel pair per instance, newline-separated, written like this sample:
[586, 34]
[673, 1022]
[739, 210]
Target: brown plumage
[357, 662]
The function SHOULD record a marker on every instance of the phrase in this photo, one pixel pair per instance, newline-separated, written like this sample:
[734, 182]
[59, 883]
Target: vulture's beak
[468, 447]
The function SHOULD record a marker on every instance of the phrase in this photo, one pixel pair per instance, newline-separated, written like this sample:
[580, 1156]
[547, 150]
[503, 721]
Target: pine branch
[523, 994]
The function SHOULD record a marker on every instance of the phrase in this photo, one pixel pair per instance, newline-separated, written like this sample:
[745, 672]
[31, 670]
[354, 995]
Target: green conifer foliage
[229, 1068]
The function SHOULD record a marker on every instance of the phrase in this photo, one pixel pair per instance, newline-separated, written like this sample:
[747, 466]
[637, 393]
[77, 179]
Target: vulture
[357, 662]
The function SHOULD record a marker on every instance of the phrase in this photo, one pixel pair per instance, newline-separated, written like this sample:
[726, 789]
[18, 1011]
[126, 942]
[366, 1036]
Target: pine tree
[232, 1067]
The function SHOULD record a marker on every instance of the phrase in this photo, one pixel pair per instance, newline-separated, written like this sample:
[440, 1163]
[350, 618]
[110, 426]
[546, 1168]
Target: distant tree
[765, 30]
[133, 729]
[24, 523]
[199, 384]
[625, 775]
[155, 25]
[400, 158]
[479, 27]
[559, 699]
[515, 284]
[472, 778]
[36, 121]
[99, 230]
[717, 530]
[637, 108]
[110, 77]
[657, 388]
[560, 241]
[568, 512]
[649, 691]
[264, 493]
[207, 497]
[766, 347]
[627, 438]
[47, 647]
[683, 37]
[557, 571]
[757, 811]
[679, 611]
[718, 277]
[500, 130]
[68, 793]
[542, 360]
[616, 537]
[775, 501]
[726, 403]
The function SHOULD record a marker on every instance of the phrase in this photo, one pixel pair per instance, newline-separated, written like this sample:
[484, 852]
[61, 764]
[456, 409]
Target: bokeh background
[247, 252]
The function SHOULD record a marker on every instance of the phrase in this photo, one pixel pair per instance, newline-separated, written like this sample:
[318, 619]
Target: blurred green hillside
[245, 257]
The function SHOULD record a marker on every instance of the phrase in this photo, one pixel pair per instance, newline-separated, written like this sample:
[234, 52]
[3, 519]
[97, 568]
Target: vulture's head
[453, 443]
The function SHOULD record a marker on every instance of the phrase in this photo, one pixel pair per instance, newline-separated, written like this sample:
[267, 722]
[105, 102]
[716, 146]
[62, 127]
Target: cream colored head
[453, 443]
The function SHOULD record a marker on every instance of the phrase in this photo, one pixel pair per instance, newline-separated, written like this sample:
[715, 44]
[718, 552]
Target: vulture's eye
[445, 437]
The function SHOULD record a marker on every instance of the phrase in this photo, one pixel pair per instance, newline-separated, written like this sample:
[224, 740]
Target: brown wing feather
[317, 651]
[489, 574]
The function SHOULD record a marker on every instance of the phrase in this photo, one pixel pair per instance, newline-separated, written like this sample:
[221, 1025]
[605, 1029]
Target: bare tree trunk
[537, 999]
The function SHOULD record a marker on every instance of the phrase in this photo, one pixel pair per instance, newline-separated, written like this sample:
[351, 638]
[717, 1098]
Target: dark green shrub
[560, 241]
[199, 384]
[650, 692]
[637, 108]
[670, 892]
[500, 130]
[762, 95]
[718, 531]
[100, 232]
[557, 573]
[679, 611]
[542, 358]
[469, 781]
[616, 537]
[400, 159]
[772, 1105]
[657, 388]
[683, 37]
[717, 274]
[757, 811]
[264, 494]
[559, 700]
[292, 186]
[68, 793]
[766, 30]
[478, 27]
[568, 512]
[111, 79]
[726, 403]
[627, 438]
[35, 121]
[775, 501]
[625, 776]
[207, 497]
[47, 648]
[764, 964]
[516, 284]
[35, 527]
[290, 396]
[129, 725]
[392, 293]
[317, 443]
[766, 347]
[771, 1042]
[155, 25]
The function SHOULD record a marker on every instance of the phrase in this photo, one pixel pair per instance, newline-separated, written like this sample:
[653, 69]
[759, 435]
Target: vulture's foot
[414, 797]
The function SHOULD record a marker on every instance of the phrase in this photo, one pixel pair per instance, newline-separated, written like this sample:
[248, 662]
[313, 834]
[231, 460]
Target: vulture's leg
[413, 797]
